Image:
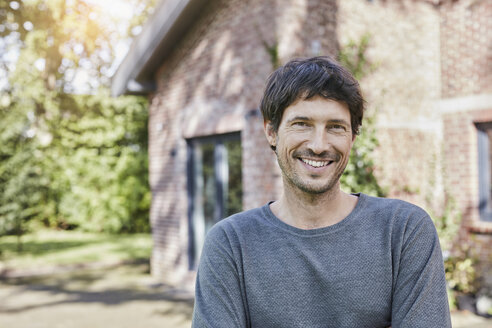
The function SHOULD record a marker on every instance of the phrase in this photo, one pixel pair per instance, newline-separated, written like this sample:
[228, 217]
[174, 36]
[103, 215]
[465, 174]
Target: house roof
[135, 74]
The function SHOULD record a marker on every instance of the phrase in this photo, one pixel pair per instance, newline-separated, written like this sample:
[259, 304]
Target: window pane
[489, 134]
[215, 185]
[208, 184]
[235, 186]
[484, 134]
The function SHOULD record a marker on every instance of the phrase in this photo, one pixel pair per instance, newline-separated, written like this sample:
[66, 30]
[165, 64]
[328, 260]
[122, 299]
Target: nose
[318, 141]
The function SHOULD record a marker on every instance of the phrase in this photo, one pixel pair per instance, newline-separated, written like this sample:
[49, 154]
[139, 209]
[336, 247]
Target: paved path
[123, 297]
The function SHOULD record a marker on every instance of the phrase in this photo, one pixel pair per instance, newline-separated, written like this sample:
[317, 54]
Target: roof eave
[170, 21]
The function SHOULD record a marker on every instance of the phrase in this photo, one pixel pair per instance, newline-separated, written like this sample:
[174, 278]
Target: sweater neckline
[272, 218]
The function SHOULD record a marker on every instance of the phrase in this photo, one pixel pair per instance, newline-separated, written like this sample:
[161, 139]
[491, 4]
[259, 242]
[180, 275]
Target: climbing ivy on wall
[359, 174]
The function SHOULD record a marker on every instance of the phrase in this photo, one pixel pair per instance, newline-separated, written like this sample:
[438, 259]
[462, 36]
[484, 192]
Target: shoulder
[407, 227]
[236, 225]
[402, 216]
[226, 239]
[392, 206]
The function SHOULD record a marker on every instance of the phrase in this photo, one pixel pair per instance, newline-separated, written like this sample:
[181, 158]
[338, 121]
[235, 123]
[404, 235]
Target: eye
[337, 127]
[301, 124]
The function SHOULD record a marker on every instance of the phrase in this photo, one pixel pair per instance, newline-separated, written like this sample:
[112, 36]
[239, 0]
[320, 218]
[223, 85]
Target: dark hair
[307, 78]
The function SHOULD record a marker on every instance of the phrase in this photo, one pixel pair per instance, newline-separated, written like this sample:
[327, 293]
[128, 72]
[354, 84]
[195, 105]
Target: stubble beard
[293, 179]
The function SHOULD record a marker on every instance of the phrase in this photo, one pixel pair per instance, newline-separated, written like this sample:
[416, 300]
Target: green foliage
[359, 173]
[234, 202]
[459, 264]
[104, 166]
[92, 174]
[460, 273]
[453, 302]
[272, 50]
[353, 57]
[67, 160]
[447, 223]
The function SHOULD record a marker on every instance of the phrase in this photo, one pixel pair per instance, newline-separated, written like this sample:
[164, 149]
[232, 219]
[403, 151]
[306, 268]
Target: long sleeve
[219, 300]
[419, 288]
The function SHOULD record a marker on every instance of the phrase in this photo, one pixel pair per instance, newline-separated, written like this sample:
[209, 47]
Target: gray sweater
[381, 266]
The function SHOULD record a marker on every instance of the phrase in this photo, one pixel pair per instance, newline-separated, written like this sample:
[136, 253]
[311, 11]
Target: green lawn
[52, 248]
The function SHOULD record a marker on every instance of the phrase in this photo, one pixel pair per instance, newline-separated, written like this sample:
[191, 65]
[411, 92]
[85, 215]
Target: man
[319, 257]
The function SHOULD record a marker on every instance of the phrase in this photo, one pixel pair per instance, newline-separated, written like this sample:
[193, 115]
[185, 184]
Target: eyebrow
[340, 121]
[305, 118]
[299, 118]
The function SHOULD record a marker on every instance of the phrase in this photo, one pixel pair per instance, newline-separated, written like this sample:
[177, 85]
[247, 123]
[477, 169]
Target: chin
[316, 189]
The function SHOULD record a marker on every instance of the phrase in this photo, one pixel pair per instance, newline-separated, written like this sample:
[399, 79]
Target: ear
[354, 136]
[270, 133]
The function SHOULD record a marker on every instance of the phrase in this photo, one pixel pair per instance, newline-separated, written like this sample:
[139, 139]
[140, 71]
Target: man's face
[313, 144]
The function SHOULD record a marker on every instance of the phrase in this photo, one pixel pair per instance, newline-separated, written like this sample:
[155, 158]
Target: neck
[310, 211]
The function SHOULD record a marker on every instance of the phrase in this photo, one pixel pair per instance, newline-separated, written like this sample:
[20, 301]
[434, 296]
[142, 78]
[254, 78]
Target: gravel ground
[121, 297]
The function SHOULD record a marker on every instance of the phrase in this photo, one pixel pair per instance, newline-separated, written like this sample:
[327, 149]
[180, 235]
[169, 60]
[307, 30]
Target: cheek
[291, 141]
[344, 147]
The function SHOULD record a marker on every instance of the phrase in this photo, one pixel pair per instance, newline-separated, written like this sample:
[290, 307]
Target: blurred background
[129, 127]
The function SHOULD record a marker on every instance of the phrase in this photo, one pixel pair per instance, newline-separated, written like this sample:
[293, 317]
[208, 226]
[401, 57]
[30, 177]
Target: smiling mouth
[314, 163]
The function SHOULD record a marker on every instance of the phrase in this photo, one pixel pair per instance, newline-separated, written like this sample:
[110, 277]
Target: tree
[68, 160]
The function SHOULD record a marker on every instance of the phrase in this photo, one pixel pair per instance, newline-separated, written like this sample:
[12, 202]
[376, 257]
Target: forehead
[317, 108]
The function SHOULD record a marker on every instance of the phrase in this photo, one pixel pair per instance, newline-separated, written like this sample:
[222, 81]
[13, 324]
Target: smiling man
[319, 257]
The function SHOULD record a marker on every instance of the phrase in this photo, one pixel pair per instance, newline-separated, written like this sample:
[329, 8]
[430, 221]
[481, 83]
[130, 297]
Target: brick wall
[212, 84]
[433, 66]
[461, 178]
[466, 65]
[466, 46]
[262, 178]
[213, 81]
[402, 91]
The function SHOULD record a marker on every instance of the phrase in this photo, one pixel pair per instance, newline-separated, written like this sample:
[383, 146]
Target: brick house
[203, 65]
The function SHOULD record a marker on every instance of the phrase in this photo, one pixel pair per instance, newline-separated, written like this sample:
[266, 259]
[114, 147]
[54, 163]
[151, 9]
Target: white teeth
[314, 163]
